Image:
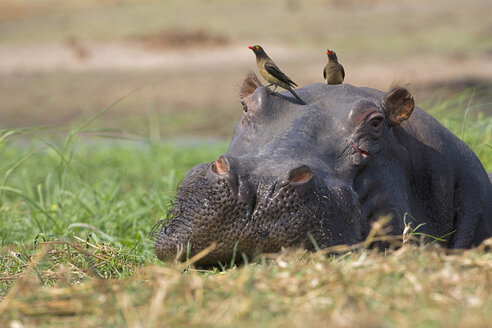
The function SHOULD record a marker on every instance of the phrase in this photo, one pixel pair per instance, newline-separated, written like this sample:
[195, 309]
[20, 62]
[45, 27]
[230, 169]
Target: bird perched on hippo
[325, 171]
[333, 73]
[270, 72]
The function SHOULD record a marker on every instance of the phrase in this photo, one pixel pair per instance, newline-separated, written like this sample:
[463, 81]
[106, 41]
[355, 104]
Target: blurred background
[61, 61]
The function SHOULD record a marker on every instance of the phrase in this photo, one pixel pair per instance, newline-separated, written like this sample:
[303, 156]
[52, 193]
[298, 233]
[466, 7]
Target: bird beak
[328, 52]
[250, 47]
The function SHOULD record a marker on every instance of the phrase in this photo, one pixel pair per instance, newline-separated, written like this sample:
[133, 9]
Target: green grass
[468, 115]
[121, 188]
[76, 214]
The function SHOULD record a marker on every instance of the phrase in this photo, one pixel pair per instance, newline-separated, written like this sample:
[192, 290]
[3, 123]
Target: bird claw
[270, 90]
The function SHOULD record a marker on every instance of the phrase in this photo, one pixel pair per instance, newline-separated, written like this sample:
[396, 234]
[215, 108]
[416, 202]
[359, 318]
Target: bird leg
[272, 91]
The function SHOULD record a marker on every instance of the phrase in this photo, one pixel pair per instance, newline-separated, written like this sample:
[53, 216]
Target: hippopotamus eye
[376, 122]
[245, 107]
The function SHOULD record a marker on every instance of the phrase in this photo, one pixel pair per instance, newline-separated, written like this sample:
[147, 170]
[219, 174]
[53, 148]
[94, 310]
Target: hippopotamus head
[310, 175]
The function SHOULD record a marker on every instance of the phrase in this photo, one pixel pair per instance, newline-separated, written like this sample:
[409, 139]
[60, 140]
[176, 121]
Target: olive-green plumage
[333, 71]
[270, 72]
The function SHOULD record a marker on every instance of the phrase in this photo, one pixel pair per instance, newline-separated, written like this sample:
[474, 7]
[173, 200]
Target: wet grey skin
[317, 175]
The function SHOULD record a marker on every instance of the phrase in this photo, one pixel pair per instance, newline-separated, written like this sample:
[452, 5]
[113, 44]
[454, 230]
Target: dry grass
[414, 286]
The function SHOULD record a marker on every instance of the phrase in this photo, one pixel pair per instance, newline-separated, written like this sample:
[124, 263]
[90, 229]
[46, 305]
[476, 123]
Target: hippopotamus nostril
[220, 166]
[301, 174]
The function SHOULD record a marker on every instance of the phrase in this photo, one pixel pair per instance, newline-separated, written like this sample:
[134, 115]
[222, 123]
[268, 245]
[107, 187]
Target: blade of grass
[96, 230]
[15, 166]
[68, 143]
[32, 202]
[465, 116]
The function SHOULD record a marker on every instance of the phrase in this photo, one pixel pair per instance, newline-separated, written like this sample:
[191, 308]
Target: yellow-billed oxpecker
[270, 72]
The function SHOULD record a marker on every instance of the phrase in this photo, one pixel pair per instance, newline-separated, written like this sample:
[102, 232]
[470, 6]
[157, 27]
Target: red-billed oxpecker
[333, 71]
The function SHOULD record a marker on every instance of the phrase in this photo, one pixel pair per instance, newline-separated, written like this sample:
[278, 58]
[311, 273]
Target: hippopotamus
[317, 175]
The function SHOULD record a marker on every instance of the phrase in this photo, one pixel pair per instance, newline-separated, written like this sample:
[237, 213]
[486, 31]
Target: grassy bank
[116, 190]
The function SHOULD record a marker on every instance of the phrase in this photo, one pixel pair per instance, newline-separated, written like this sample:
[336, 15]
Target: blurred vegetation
[416, 26]
[61, 60]
[467, 115]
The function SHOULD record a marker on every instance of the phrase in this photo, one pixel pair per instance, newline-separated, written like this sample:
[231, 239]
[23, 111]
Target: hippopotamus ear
[249, 85]
[398, 105]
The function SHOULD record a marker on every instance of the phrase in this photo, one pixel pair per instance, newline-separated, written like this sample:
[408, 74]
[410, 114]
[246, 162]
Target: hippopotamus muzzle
[251, 215]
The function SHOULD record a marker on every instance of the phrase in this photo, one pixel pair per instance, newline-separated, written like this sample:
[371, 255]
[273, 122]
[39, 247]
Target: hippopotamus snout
[252, 212]
[248, 189]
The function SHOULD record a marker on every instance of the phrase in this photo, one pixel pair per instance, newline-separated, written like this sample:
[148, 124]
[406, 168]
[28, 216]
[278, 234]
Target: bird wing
[275, 71]
[343, 72]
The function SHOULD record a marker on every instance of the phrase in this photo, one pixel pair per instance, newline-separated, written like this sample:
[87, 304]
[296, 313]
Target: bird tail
[295, 95]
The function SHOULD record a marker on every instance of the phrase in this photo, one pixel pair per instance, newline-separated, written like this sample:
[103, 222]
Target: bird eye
[245, 107]
[256, 48]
